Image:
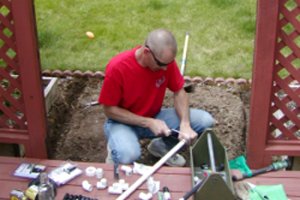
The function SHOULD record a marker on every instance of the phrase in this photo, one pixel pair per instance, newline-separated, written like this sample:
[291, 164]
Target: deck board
[178, 179]
[171, 177]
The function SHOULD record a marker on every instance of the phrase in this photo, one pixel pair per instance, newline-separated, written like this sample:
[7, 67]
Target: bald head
[162, 43]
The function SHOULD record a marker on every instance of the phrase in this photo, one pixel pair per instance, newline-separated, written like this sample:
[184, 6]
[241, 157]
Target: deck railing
[22, 110]
[274, 116]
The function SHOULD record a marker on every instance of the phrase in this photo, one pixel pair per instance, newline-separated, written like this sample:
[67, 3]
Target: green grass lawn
[221, 32]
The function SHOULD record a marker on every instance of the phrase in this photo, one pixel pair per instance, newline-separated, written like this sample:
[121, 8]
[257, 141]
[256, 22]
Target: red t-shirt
[129, 85]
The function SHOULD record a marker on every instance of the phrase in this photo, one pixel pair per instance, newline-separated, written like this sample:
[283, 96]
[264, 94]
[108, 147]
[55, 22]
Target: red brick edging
[197, 79]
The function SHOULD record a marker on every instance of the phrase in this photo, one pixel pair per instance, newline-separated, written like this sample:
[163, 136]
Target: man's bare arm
[181, 104]
[122, 115]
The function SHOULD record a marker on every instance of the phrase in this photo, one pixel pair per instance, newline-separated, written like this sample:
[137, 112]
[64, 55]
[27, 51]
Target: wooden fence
[22, 110]
[274, 116]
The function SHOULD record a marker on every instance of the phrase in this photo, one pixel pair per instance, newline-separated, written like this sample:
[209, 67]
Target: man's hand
[159, 127]
[187, 133]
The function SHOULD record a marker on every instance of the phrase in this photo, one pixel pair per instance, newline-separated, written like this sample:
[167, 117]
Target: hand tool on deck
[194, 189]
[153, 169]
[273, 167]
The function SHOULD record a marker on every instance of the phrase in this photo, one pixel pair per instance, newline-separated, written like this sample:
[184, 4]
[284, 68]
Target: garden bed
[75, 129]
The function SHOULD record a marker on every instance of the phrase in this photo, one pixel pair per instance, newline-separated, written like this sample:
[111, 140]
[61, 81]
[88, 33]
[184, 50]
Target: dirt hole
[75, 130]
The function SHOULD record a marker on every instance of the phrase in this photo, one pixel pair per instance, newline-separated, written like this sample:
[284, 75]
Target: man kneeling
[132, 95]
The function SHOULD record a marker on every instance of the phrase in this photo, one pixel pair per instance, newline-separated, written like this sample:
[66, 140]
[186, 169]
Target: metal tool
[153, 169]
[90, 104]
[174, 132]
[194, 189]
[116, 171]
[273, 167]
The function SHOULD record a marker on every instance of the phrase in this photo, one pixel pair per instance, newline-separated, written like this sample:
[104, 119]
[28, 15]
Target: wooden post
[30, 74]
[264, 60]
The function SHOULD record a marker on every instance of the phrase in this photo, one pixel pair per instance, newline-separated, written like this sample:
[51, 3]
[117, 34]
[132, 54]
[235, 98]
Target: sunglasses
[161, 64]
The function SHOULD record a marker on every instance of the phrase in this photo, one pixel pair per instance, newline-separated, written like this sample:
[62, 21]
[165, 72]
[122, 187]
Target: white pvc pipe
[183, 61]
[155, 167]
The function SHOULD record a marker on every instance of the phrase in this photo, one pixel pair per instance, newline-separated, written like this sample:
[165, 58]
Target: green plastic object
[263, 192]
[240, 164]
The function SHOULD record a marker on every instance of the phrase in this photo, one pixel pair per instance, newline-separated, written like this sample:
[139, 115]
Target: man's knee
[129, 156]
[209, 121]
[201, 120]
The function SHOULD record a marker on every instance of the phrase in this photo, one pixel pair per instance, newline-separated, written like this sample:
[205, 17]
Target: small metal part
[175, 131]
[204, 166]
[93, 103]
[70, 169]
[90, 104]
[116, 171]
[166, 193]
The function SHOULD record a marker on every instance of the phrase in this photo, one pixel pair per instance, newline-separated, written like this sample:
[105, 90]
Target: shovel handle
[183, 62]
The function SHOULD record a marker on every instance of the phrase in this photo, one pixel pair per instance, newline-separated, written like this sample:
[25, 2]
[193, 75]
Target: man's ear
[146, 50]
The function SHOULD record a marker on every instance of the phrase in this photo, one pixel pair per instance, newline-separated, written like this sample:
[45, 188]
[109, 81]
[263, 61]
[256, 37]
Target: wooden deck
[177, 179]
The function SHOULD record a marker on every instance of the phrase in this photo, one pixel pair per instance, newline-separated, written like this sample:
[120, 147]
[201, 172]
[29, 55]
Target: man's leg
[200, 120]
[122, 142]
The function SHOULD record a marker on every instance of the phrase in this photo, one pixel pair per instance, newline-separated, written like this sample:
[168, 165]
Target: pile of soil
[75, 129]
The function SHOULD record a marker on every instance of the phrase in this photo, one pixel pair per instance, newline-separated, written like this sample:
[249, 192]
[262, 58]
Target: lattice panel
[11, 100]
[285, 116]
